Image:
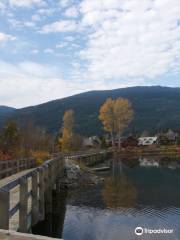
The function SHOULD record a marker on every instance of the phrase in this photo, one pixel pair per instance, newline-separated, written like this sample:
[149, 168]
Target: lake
[136, 192]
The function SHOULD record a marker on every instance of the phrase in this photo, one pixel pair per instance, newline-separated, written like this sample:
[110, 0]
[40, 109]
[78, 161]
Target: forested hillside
[5, 112]
[155, 108]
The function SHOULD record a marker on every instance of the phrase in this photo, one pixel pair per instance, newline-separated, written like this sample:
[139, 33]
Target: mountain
[155, 108]
[5, 112]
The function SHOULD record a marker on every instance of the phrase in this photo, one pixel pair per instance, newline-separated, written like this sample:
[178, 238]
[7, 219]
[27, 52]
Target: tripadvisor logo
[140, 231]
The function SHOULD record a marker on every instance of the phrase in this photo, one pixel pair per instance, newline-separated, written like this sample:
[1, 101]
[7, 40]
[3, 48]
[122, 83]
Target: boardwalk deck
[12, 235]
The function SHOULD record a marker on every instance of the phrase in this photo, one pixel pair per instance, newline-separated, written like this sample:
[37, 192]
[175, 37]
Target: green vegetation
[155, 108]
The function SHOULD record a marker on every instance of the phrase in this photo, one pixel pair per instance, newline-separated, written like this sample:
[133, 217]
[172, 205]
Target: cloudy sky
[50, 49]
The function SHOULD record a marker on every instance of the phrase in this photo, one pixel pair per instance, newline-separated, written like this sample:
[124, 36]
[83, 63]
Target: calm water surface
[136, 192]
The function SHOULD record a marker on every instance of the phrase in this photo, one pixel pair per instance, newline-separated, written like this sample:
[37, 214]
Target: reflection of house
[93, 141]
[146, 141]
[144, 162]
[168, 138]
[129, 142]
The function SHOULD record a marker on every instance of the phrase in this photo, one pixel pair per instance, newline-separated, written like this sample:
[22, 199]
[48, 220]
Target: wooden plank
[100, 169]
[48, 191]
[23, 209]
[41, 193]
[5, 182]
[35, 200]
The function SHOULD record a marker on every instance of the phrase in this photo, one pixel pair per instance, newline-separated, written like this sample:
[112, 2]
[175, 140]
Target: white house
[91, 141]
[146, 141]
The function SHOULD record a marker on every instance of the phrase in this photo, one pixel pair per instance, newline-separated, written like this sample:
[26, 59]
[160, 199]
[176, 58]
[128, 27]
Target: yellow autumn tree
[123, 116]
[115, 116]
[67, 131]
[106, 115]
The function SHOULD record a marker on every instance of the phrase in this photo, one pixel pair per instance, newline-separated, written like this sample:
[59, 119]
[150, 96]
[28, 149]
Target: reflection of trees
[131, 162]
[119, 192]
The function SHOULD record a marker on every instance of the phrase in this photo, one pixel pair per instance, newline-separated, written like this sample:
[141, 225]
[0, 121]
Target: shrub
[4, 156]
[40, 156]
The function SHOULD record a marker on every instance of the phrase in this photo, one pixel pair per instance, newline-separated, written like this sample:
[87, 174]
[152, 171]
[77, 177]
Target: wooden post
[41, 193]
[23, 209]
[35, 200]
[4, 209]
[48, 192]
[51, 174]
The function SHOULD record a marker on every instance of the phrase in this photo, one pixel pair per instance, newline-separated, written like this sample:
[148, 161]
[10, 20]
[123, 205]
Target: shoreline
[146, 151]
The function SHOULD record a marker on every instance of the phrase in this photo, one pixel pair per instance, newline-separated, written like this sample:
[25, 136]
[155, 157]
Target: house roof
[147, 140]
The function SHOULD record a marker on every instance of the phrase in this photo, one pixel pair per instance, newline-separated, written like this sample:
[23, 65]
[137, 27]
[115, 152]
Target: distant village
[166, 138]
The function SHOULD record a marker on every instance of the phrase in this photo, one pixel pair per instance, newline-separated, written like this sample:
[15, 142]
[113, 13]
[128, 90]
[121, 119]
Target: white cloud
[36, 17]
[59, 26]
[42, 13]
[131, 38]
[123, 42]
[26, 3]
[35, 51]
[29, 24]
[29, 83]
[71, 12]
[62, 45]
[64, 3]
[48, 50]
[70, 38]
[2, 6]
[6, 37]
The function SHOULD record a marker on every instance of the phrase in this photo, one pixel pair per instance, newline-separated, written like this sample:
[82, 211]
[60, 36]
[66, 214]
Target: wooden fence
[41, 180]
[91, 158]
[35, 186]
[9, 167]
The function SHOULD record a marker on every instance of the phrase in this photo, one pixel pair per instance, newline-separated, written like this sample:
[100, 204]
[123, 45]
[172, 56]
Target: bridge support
[23, 208]
[41, 193]
[4, 209]
[35, 199]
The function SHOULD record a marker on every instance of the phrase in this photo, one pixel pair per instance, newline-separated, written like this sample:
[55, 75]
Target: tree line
[29, 140]
[115, 116]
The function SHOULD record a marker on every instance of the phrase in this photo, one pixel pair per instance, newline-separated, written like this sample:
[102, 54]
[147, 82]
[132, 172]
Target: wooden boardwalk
[15, 195]
[26, 196]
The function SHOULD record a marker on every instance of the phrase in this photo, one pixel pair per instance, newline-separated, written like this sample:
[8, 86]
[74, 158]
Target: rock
[75, 177]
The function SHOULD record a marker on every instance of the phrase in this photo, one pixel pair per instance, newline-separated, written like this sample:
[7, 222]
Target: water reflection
[54, 222]
[136, 192]
[118, 191]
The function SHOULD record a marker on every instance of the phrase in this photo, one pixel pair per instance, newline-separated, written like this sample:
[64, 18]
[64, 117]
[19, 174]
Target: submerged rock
[76, 177]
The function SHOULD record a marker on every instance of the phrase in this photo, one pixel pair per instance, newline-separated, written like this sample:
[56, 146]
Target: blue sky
[51, 49]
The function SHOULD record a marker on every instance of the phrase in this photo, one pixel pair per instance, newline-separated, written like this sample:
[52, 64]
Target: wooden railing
[36, 185]
[9, 167]
[91, 158]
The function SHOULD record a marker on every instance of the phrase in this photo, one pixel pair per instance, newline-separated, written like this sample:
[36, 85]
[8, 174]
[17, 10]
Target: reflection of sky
[85, 223]
[156, 204]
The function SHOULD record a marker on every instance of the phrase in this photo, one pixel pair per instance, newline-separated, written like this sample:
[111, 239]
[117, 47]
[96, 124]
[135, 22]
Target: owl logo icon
[139, 231]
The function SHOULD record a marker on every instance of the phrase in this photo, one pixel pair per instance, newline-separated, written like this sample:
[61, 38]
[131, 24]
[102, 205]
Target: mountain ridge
[155, 107]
